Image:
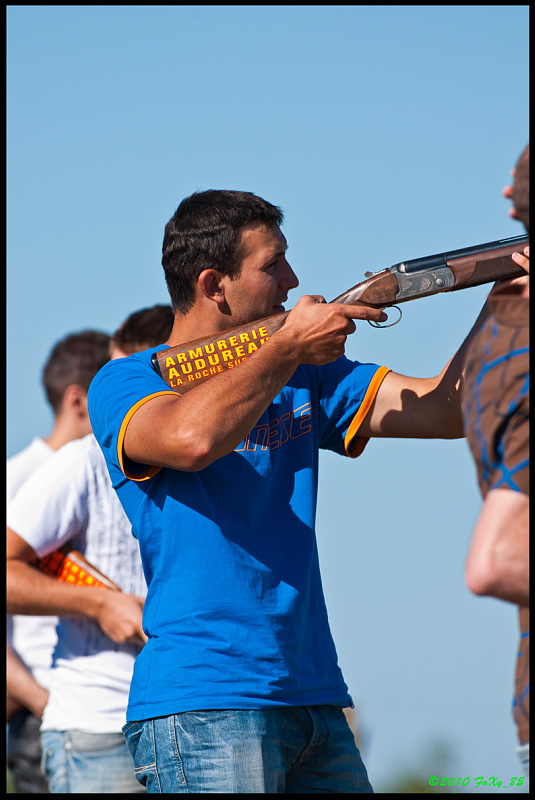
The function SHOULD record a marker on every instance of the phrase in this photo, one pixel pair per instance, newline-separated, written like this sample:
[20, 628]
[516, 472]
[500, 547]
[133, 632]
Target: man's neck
[197, 324]
[64, 432]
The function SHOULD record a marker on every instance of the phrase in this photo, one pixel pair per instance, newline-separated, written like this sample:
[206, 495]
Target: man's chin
[254, 317]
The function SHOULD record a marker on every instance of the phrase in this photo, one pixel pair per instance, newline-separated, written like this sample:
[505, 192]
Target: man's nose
[289, 278]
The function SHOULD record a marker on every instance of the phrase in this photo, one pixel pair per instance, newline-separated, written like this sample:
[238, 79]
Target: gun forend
[444, 272]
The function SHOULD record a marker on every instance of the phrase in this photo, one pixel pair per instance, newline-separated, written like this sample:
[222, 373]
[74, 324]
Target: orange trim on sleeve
[150, 471]
[354, 444]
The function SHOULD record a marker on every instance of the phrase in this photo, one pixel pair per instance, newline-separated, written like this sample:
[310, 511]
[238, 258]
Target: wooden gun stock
[186, 365]
[70, 566]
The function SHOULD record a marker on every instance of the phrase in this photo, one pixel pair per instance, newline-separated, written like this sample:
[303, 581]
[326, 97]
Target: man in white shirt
[67, 373]
[71, 499]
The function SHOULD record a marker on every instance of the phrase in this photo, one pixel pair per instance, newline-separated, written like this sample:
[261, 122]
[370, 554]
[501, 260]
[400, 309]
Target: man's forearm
[31, 592]
[498, 561]
[21, 685]
[233, 407]
[209, 421]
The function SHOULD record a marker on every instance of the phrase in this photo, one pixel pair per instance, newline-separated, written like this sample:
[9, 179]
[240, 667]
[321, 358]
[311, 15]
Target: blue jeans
[286, 750]
[80, 763]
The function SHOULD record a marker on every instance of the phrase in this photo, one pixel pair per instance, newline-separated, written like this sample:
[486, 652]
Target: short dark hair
[145, 328]
[204, 232]
[76, 359]
[521, 189]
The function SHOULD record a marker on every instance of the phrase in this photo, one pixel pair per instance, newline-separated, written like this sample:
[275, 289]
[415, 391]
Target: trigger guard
[391, 325]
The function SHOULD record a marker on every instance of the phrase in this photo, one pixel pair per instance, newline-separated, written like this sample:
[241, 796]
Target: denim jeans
[275, 750]
[78, 763]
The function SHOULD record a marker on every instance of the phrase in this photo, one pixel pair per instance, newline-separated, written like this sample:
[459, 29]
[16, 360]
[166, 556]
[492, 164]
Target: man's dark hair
[146, 328]
[76, 359]
[204, 233]
[521, 189]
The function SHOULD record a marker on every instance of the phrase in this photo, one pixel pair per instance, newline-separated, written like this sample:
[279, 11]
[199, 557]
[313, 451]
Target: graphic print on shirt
[268, 436]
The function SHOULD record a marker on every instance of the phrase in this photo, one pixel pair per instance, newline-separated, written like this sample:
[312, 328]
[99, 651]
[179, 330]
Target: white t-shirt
[33, 638]
[70, 498]
[20, 466]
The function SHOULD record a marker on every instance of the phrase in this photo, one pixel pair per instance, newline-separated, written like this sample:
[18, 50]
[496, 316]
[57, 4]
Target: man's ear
[211, 284]
[75, 398]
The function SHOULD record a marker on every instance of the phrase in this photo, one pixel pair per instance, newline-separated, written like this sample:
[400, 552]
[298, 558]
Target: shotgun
[191, 363]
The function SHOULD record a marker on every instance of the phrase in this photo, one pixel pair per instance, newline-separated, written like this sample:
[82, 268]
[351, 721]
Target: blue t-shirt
[235, 612]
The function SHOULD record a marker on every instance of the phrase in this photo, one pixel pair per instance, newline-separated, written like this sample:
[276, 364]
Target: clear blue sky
[385, 133]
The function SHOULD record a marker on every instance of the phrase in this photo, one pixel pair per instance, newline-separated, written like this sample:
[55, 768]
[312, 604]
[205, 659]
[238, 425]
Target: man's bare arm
[190, 432]
[498, 560]
[422, 408]
[22, 689]
[30, 591]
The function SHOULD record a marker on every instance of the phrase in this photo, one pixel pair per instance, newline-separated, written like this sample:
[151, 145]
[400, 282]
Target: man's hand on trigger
[320, 329]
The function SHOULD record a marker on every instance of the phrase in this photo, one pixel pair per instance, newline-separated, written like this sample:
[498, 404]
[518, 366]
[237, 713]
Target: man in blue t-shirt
[238, 688]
